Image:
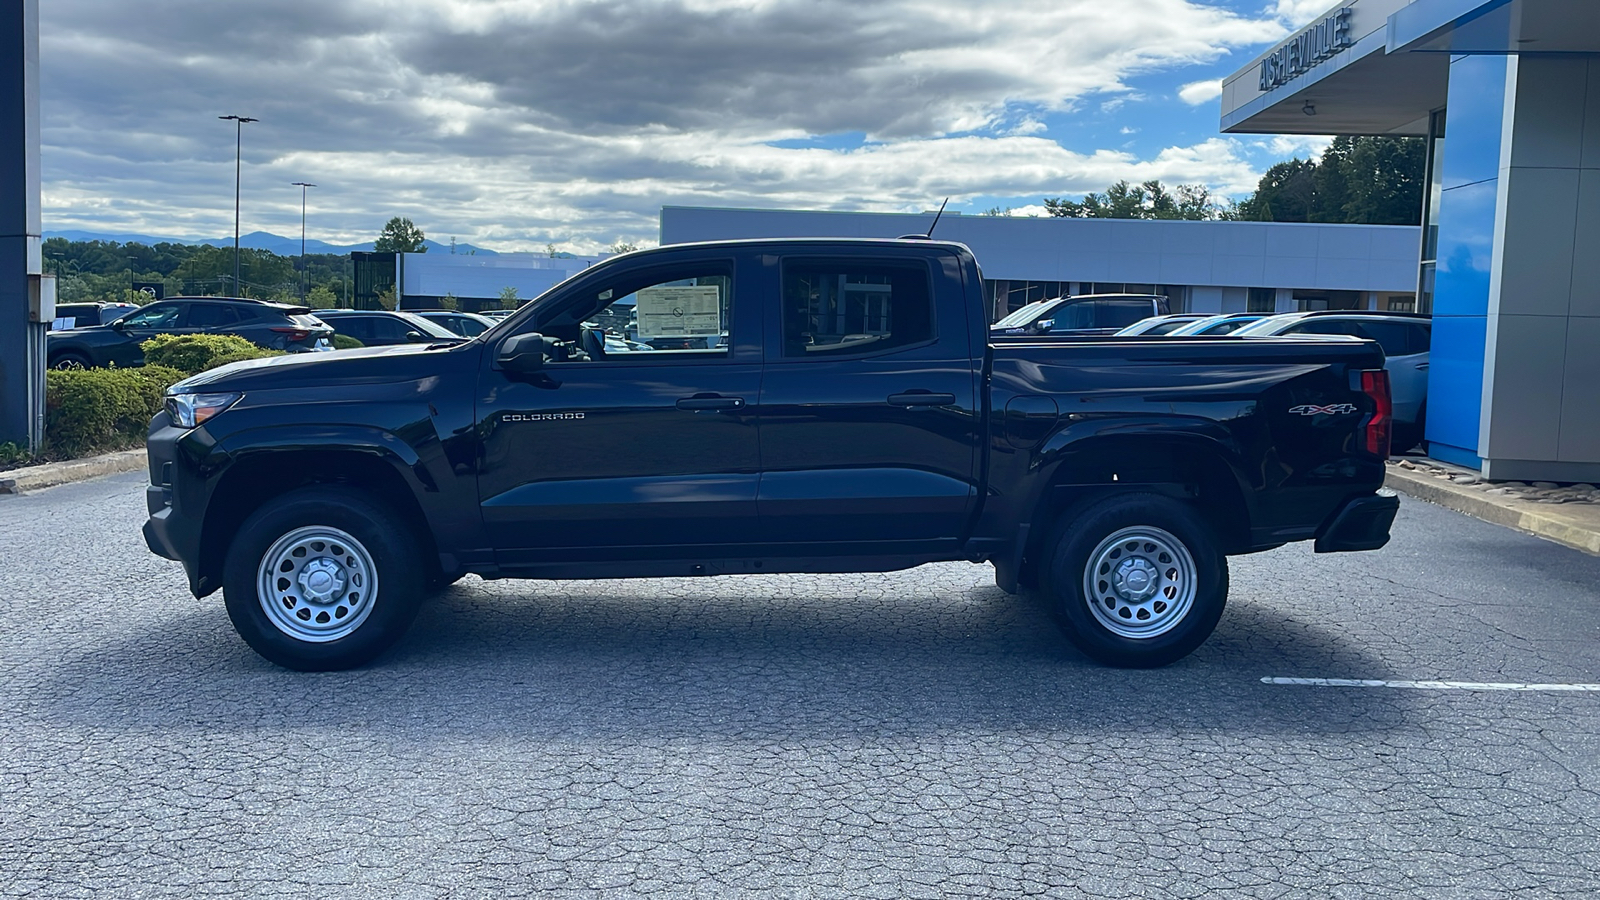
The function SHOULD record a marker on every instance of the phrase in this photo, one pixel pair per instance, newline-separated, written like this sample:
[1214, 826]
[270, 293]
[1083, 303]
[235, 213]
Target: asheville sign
[1307, 49]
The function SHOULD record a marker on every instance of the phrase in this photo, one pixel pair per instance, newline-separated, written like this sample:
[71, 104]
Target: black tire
[69, 362]
[381, 540]
[1103, 618]
[439, 581]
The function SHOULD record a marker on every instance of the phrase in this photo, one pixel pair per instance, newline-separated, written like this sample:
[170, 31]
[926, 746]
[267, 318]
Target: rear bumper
[1361, 524]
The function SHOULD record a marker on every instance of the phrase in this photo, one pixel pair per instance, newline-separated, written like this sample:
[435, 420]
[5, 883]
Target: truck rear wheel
[1136, 581]
[322, 579]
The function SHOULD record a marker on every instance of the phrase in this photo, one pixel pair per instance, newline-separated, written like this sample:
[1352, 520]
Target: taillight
[1375, 384]
[295, 334]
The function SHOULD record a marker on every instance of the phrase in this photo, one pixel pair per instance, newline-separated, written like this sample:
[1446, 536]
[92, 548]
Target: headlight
[190, 410]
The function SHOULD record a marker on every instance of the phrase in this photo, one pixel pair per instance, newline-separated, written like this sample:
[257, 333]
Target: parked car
[1159, 325]
[1210, 326]
[325, 496]
[84, 315]
[463, 324]
[380, 328]
[1083, 314]
[275, 326]
[495, 314]
[1405, 339]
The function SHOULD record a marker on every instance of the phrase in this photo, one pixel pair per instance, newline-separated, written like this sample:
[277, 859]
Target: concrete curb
[1579, 529]
[50, 474]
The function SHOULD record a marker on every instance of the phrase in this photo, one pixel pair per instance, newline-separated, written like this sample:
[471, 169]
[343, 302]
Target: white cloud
[1299, 13]
[1197, 92]
[518, 122]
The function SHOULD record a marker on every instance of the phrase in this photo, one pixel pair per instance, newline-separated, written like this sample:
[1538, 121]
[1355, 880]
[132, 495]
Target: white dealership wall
[1217, 261]
[434, 275]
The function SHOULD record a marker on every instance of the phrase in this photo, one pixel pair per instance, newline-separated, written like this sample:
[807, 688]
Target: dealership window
[1262, 300]
[1430, 213]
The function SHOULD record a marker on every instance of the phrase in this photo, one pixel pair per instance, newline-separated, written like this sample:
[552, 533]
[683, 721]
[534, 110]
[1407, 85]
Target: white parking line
[1437, 685]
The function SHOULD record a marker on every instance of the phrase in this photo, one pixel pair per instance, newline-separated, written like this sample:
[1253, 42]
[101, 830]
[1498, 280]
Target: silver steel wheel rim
[316, 584]
[1140, 582]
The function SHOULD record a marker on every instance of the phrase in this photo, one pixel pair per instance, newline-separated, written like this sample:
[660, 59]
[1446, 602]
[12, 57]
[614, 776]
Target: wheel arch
[1195, 468]
[253, 478]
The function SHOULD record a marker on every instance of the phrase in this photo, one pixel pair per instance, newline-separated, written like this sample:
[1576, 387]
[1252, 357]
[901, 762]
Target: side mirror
[415, 337]
[118, 325]
[1044, 326]
[523, 354]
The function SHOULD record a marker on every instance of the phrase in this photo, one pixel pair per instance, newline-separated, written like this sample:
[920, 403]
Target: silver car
[1405, 338]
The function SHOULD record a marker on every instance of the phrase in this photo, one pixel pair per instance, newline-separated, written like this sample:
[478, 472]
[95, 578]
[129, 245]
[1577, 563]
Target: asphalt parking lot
[911, 734]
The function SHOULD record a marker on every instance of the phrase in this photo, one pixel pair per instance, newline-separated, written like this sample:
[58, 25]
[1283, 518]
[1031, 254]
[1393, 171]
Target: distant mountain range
[256, 240]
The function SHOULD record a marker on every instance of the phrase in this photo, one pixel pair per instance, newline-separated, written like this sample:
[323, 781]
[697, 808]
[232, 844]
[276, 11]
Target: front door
[869, 421]
[165, 317]
[621, 450]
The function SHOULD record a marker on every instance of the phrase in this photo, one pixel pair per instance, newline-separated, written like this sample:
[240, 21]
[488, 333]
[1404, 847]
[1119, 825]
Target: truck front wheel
[322, 579]
[1136, 581]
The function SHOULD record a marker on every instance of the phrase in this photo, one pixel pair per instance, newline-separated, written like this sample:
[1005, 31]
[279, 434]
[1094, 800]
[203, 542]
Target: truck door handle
[921, 398]
[710, 401]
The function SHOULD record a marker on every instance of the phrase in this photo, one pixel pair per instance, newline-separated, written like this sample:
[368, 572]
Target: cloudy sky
[513, 124]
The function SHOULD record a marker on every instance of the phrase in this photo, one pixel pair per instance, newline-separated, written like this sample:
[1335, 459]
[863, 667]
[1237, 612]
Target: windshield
[1261, 326]
[428, 328]
[1024, 315]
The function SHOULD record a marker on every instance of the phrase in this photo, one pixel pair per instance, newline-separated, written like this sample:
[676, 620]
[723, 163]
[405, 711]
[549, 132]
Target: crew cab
[857, 418]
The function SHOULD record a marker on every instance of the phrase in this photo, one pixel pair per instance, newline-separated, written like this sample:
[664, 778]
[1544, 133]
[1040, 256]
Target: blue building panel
[1455, 387]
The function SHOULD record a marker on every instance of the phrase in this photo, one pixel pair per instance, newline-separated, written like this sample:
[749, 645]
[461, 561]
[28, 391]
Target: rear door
[869, 412]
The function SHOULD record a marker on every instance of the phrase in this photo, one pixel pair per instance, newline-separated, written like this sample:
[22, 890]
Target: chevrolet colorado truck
[848, 412]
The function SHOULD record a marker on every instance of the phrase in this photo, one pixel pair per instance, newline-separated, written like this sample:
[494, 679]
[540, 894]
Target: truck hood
[367, 365]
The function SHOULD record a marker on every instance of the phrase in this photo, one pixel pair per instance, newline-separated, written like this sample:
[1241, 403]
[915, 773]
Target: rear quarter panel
[1281, 413]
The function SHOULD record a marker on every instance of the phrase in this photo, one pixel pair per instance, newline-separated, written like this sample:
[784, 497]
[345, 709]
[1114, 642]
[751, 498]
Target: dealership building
[1507, 92]
[1199, 266]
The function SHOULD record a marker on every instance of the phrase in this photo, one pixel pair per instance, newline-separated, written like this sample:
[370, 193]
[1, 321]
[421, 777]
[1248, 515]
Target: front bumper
[172, 531]
[1361, 524]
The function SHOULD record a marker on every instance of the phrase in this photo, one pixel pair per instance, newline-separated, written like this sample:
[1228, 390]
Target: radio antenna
[936, 217]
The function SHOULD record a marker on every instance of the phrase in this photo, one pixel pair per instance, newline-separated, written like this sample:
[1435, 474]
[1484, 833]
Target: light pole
[131, 261]
[238, 147]
[302, 185]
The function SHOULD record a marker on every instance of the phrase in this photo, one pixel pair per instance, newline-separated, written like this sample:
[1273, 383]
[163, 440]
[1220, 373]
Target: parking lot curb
[1579, 529]
[31, 478]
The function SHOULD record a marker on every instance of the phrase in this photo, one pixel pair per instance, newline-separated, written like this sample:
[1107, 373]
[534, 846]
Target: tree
[320, 297]
[1150, 200]
[1367, 180]
[623, 247]
[400, 235]
[509, 298]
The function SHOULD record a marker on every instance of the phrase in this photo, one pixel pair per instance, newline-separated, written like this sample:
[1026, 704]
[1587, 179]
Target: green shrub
[194, 353]
[95, 410]
[346, 342]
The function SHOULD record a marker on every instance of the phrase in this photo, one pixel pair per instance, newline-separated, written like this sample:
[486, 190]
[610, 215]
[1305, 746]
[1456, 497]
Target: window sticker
[668, 312]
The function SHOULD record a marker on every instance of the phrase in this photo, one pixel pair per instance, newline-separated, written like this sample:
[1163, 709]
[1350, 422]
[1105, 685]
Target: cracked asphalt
[911, 734]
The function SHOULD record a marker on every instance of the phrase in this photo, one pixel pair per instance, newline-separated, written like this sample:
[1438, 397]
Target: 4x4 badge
[1334, 409]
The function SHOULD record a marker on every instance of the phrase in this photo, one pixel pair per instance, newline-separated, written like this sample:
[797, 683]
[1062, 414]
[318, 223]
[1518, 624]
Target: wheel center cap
[1135, 580]
[321, 580]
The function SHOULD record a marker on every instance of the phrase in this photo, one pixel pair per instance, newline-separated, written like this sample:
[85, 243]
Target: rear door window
[211, 315]
[849, 308]
[1395, 338]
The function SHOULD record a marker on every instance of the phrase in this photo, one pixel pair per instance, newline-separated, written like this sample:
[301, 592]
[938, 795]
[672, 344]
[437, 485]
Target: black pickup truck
[851, 415]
